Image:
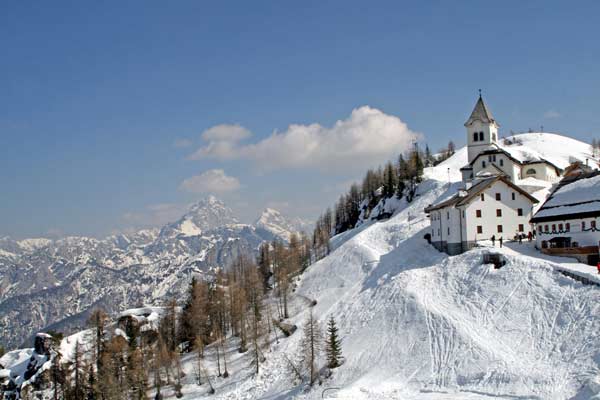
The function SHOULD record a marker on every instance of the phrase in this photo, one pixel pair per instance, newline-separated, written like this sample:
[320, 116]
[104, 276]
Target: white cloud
[550, 114]
[182, 143]
[368, 137]
[222, 142]
[211, 181]
[226, 132]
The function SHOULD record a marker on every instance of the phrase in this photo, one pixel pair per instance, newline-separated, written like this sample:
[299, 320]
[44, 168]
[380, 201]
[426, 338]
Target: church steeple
[482, 129]
[482, 113]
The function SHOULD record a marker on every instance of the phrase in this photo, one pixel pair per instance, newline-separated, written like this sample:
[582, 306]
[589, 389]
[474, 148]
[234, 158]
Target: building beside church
[568, 223]
[493, 206]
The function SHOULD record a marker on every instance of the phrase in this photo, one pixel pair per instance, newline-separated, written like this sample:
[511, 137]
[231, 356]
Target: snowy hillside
[418, 324]
[558, 149]
[415, 323]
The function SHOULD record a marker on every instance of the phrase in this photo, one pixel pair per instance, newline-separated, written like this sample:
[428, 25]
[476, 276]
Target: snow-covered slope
[272, 222]
[418, 324]
[558, 149]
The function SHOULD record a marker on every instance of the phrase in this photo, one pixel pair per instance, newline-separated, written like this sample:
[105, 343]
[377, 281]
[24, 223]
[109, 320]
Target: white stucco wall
[508, 166]
[583, 238]
[543, 171]
[489, 221]
[444, 225]
[476, 147]
[454, 219]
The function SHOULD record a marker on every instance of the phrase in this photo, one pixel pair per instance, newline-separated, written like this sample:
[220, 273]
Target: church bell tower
[482, 129]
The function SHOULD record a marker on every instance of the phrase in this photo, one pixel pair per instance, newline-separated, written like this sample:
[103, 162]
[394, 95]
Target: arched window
[481, 136]
[475, 137]
[531, 171]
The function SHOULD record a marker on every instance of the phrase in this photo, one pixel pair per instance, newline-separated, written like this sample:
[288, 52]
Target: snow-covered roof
[579, 198]
[479, 185]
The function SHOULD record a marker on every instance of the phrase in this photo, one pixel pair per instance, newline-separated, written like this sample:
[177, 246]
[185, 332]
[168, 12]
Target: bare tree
[311, 347]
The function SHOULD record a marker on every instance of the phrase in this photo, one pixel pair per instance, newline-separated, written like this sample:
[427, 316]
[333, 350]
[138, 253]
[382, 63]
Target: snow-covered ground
[418, 324]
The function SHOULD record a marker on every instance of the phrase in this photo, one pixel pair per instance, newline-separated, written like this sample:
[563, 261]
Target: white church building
[500, 180]
[487, 156]
[496, 200]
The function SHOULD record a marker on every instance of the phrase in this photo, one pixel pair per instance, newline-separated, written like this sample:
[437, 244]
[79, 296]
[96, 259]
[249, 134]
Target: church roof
[482, 113]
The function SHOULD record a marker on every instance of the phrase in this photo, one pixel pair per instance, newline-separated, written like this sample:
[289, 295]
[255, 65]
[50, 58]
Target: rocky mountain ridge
[56, 283]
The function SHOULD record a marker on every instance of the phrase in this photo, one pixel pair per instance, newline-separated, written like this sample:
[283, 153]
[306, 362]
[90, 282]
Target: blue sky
[104, 104]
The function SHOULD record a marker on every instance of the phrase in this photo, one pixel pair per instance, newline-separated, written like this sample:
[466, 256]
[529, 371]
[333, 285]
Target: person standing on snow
[493, 238]
[500, 241]
[529, 236]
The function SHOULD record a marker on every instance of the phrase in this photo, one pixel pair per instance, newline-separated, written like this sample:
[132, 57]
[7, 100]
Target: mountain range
[55, 284]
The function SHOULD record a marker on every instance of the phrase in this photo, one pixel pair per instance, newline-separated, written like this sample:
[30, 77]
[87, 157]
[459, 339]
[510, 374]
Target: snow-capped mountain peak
[275, 223]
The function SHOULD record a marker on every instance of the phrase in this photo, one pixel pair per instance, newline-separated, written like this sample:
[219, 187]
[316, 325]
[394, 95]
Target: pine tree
[403, 170]
[333, 346]
[428, 157]
[389, 180]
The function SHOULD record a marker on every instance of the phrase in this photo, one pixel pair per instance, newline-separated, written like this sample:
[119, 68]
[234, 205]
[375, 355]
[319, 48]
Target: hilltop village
[520, 188]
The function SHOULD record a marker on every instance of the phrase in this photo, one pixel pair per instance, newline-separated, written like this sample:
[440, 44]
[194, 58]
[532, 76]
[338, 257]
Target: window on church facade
[530, 171]
[501, 162]
[475, 137]
[567, 227]
[483, 164]
[498, 212]
[521, 228]
[479, 229]
[499, 228]
[481, 136]
[520, 212]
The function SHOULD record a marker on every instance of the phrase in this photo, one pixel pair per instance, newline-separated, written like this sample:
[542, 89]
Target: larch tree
[311, 347]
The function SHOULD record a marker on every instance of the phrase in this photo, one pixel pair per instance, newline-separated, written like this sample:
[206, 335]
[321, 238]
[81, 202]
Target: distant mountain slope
[274, 223]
